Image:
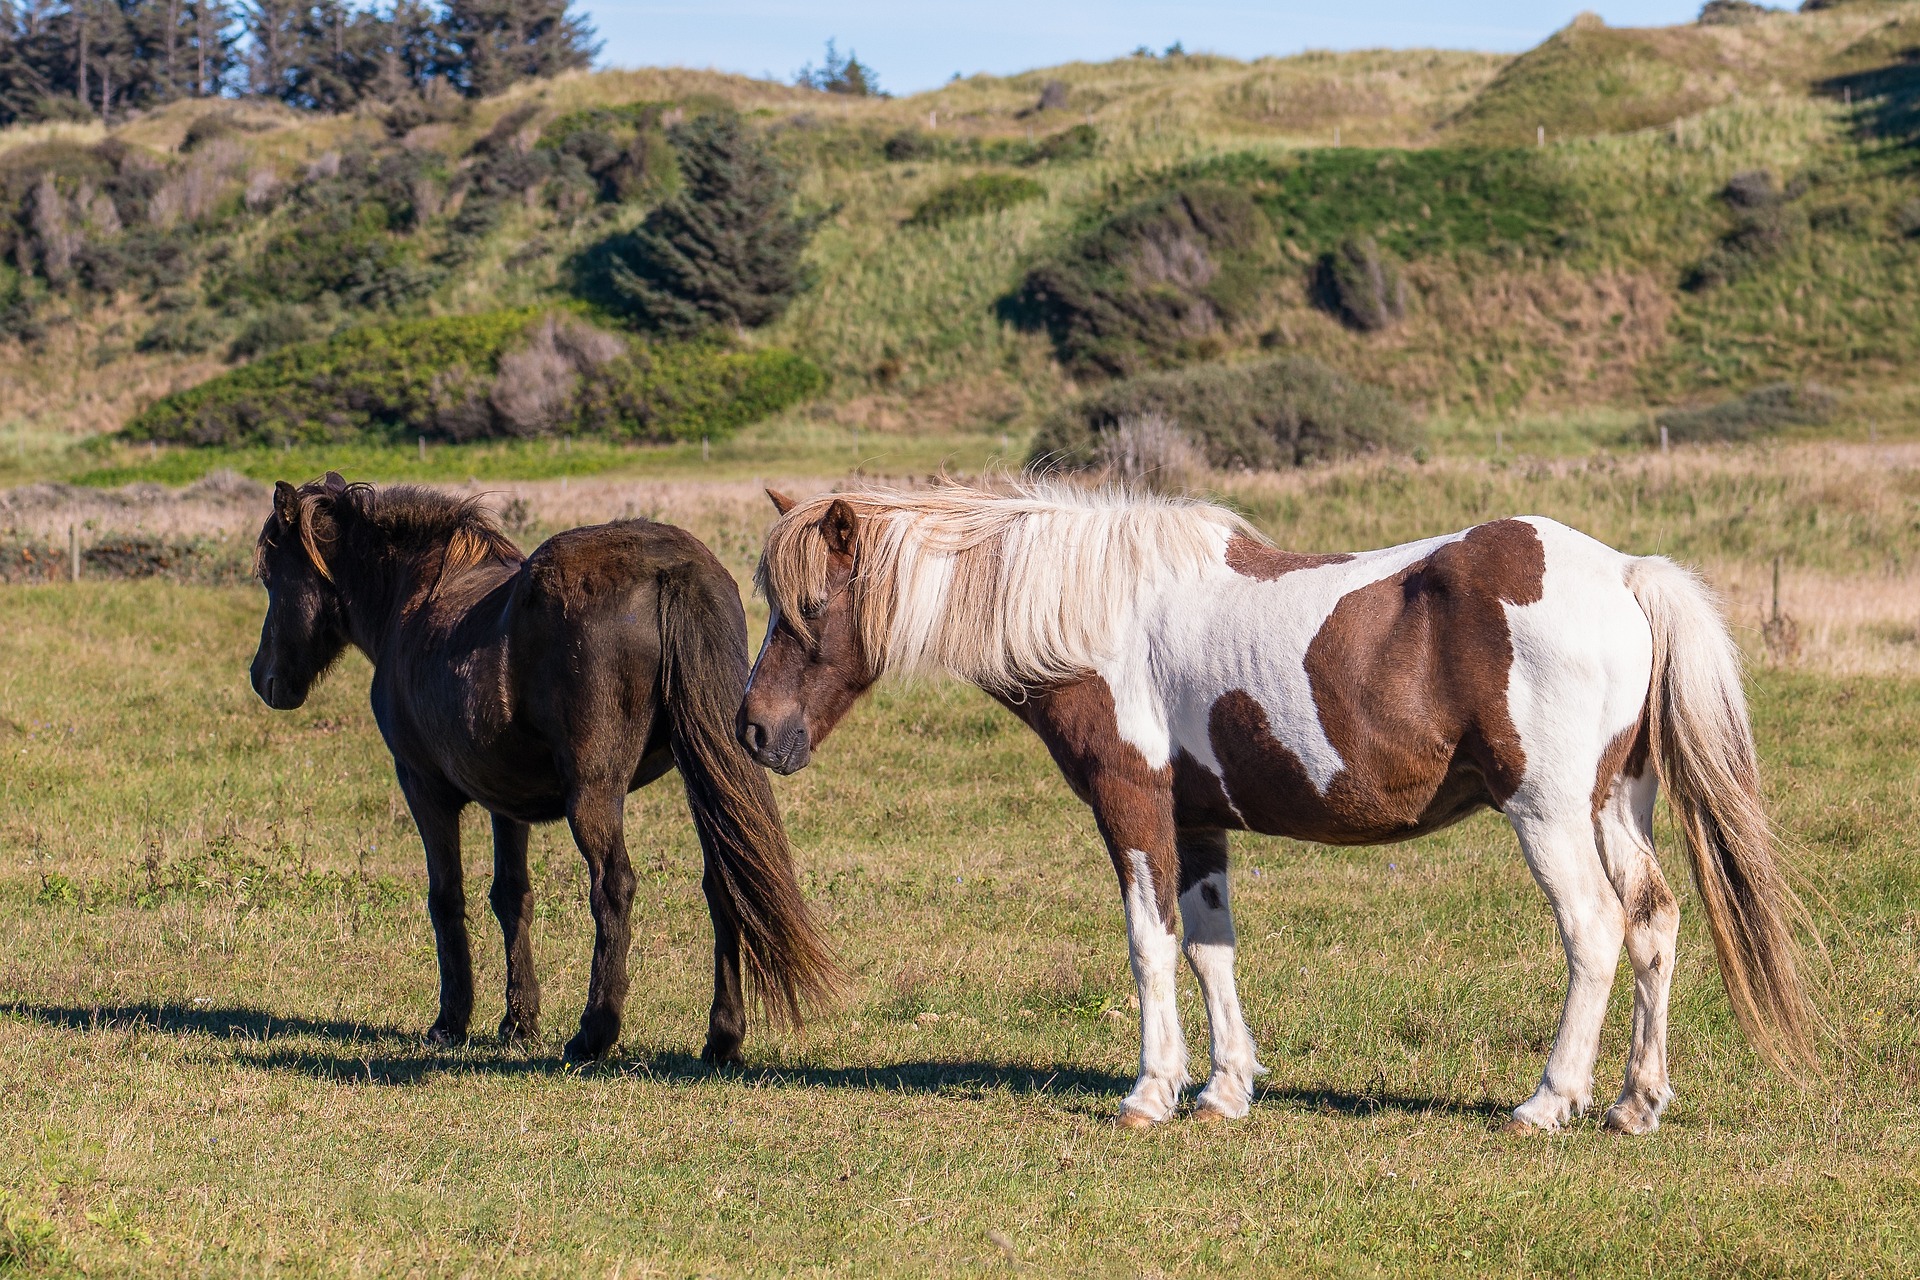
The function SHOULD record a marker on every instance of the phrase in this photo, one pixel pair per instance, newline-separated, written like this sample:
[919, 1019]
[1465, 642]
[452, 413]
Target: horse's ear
[838, 527]
[335, 484]
[286, 504]
[781, 502]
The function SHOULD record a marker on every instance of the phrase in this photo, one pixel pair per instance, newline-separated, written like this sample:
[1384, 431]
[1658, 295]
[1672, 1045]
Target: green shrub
[349, 252]
[390, 381]
[1258, 416]
[685, 392]
[1140, 290]
[500, 374]
[1759, 412]
[271, 329]
[1361, 286]
[188, 332]
[973, 196]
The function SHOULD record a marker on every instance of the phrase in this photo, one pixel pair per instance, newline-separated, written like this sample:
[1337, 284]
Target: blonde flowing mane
[1002, 590]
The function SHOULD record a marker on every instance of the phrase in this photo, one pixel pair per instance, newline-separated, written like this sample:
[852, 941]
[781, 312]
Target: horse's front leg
[1207, 916]
[436, 812]
[1136, 820]
[512, 898]
[595, 814]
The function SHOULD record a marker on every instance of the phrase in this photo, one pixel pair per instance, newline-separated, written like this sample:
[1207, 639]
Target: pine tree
[726, 250]
[497, 43]
[24, 86]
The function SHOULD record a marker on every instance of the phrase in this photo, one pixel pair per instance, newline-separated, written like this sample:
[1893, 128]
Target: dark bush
[1081, 142]
[1361, 285]
[1728, 13]
[909, 144]
[206, 128]
[1140, 290]
[271, 329]
[1759, 412]
[1258, 416]
[724, 252]
[1053, 96]
[1753, 189]
[970, 197]
[685, 392]
[1906, 219]
[1759, 235]
[189, 332]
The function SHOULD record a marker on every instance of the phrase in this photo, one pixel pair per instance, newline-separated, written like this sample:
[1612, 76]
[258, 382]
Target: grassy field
[218, 964]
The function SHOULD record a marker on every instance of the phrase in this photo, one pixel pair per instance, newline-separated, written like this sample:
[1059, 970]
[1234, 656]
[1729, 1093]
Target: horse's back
[1369, 697]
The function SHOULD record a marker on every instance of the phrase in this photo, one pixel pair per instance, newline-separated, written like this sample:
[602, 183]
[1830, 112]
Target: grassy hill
[1559, 291]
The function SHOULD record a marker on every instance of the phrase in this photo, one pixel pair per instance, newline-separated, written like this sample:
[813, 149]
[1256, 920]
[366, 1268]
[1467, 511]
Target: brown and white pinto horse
[1190, 679]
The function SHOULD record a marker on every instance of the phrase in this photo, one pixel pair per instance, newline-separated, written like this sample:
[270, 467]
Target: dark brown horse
[545, 687]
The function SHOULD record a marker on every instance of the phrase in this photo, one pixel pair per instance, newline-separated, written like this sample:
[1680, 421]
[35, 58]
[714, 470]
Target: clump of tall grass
[1759, 412]
[1259, 415]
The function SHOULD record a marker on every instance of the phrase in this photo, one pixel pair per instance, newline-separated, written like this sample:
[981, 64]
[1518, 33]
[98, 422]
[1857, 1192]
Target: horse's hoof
[518, 1030]
[441, 1038]
[1630, 1119]
[582, 1050]
[1129, 1119]
[1515, 1127]
[722, 1055]
[1207, 1114]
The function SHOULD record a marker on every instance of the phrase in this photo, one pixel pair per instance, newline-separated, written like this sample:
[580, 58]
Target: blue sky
[918, 44]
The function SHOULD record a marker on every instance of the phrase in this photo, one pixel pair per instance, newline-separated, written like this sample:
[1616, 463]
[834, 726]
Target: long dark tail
[703, 666]
[1703, 744]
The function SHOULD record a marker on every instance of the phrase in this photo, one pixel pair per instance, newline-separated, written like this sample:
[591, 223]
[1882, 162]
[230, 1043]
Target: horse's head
[813, 666]
[306, 625]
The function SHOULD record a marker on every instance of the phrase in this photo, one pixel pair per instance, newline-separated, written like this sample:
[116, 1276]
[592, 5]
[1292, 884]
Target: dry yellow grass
[1839, 516]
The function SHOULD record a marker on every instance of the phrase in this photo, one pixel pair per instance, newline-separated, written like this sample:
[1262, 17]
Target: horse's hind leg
[727, 1020]
[595, 814]
[1564, 855]
[512, 898]
[1653, 925]
[436, 812]
[1207, 917]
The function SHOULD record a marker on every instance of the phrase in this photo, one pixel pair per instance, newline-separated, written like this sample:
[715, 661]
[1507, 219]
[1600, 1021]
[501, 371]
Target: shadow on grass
[389, 1056]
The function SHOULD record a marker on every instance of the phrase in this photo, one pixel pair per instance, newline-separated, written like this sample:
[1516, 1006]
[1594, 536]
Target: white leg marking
[1208, 919]
[1653, 924]
[1564, 855]
[1156, 962]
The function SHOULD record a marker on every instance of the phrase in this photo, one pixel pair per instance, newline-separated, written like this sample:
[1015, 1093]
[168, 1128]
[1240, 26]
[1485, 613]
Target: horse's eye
[812, 609]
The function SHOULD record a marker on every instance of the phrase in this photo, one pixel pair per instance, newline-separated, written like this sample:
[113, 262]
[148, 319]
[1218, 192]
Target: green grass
[783, 446]
[219, 962]
[1413, 202]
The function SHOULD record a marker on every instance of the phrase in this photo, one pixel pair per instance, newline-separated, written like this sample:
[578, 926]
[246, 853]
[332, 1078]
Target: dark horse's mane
[409, 522]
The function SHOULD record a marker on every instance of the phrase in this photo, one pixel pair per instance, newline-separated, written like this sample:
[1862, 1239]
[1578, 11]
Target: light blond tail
[1703, 748]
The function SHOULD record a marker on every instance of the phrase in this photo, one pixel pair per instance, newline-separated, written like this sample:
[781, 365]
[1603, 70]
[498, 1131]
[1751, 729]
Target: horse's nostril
[754, 736]
[271, 690]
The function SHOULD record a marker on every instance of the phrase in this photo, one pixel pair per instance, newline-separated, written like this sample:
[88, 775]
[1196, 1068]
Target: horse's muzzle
[784, 749]
[277, 692]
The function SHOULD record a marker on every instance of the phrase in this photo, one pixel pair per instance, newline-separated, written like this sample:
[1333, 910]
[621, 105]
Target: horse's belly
[1408, 785]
